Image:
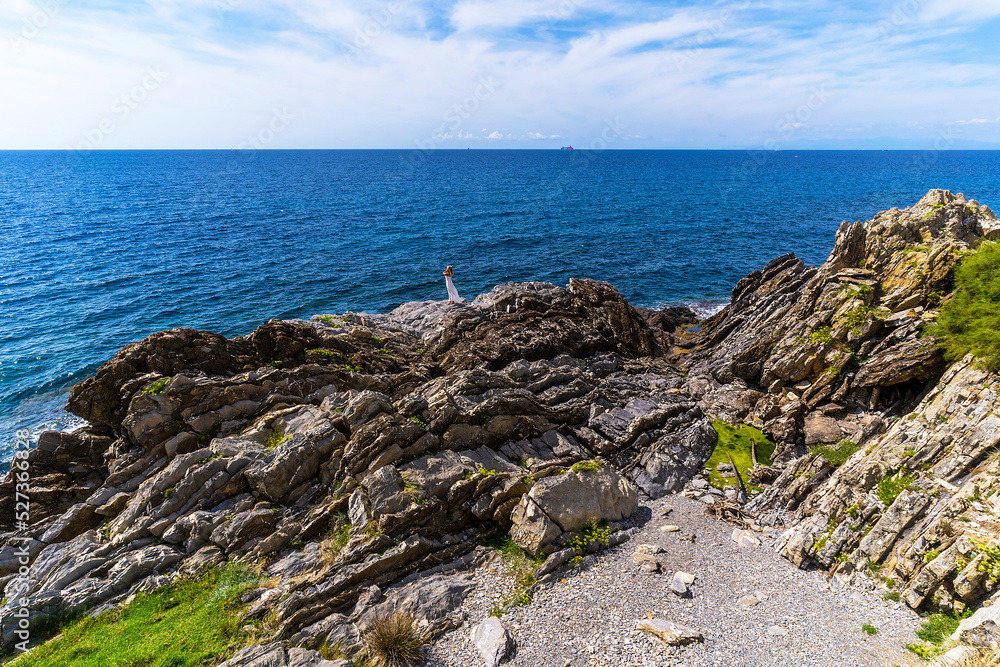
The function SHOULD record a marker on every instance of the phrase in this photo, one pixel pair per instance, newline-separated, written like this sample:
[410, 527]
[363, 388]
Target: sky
[227, 74]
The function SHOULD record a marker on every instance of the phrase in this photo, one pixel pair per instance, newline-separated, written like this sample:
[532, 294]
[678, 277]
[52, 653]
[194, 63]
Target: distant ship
[566, 148]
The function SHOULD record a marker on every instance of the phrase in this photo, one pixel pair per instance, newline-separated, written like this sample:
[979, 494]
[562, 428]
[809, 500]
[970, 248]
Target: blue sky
[516, 74]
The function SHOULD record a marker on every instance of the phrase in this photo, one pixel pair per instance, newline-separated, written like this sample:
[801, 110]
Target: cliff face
[813, 354]
[355, 451]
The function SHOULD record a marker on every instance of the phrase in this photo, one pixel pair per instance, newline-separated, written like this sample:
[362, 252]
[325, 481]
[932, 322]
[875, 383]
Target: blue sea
[100, 249]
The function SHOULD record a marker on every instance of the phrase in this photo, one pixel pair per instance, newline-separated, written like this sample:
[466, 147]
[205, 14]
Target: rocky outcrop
[416, 435]
[365, 458]
[914, 503]
[844, 339]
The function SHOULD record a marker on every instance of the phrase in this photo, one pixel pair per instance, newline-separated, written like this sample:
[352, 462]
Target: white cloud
[676, 77]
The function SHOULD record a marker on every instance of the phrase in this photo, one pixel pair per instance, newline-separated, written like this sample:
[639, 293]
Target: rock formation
[365, 457]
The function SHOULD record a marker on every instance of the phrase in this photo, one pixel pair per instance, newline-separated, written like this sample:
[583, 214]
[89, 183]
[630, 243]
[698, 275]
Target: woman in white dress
[453, 296]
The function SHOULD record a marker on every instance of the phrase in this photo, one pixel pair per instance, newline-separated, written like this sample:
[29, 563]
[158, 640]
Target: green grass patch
[836, 453]
[890, 487]
[190, 623]
[970, 321]
[938, 627]
[869, 629]
[735, 441]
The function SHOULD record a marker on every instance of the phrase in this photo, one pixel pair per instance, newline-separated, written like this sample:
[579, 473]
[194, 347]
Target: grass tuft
[393, 640]
[890, 487]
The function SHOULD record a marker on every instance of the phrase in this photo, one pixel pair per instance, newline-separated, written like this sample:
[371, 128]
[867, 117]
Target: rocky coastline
[364, 463]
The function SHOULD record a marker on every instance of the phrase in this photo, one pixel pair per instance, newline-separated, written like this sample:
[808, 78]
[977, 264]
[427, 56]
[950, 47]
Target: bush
[393, 640]
[970, 321]
[869, 629]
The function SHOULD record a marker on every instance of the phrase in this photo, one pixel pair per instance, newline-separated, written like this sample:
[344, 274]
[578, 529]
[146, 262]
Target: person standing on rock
[453, 296]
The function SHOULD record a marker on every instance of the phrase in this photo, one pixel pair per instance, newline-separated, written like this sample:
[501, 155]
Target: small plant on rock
[869, 629]
[890, 487]
[276, 437]
[586, 466]
[156, 387]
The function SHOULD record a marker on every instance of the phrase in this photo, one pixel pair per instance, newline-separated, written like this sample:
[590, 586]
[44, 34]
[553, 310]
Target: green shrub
[821, 336]
[869, 629]
[970, 321]
[836, 453]
[892, 596]
[938, 627]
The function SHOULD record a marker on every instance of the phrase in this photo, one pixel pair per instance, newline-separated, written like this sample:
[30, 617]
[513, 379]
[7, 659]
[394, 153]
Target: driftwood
[739, 480]
[730, 511]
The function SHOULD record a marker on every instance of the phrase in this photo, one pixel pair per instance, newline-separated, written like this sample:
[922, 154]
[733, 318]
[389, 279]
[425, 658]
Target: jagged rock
[668, 632]
[832, 332]
[385, 491]
[980, 629]
[77, 519]
[745, 538]
[433, 599]
[276, 655]
[820, 428]
[539, 321]
[492, 641]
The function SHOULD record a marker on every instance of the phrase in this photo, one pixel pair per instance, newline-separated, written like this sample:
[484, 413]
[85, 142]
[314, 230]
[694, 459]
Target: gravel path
[586, 616]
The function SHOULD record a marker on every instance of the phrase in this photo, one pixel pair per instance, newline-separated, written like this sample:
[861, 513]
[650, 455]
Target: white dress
[452, 292]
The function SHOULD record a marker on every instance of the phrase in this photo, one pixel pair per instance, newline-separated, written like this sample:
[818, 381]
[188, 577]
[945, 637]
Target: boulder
[569, 502]
[819, 428]
[574, 500]
[492, 641]
[982, 629]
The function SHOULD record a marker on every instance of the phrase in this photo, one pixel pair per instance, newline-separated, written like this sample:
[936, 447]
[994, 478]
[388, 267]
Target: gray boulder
[492, 641]
[569, 502]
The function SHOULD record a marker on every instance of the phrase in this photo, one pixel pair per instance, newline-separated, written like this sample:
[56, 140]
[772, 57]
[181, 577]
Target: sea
[102, 248]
